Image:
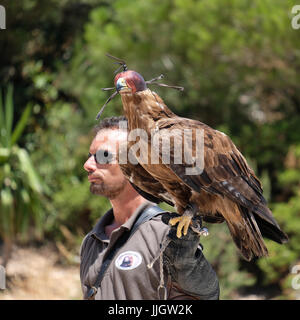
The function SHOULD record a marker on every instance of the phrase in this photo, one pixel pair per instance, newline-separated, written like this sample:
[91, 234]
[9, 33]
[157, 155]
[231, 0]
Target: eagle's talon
[200, 231]
[183, 223]
[173, 221]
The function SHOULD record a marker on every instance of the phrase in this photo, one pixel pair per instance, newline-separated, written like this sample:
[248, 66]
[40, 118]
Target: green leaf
[9, 113]
[6, 197]
[27, 167]
[4, 154]
[23, 212]
[21, 124]
[7, 212]
[2, 126]
[25, 196]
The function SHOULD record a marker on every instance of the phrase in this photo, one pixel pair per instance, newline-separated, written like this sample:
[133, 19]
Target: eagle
[225, 189]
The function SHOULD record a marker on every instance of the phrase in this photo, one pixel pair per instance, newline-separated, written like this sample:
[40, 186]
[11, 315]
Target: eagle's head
[129, 81]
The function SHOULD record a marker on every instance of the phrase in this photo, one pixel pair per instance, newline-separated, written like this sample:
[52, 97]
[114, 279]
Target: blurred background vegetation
[239, 61]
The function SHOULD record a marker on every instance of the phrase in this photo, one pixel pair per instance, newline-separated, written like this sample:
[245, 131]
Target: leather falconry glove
[187, 265]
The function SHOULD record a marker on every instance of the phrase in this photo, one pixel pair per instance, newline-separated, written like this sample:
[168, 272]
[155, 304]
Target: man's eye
[104, 156]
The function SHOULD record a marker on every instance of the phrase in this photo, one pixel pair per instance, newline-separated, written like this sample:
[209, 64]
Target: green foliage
[60, 163]
[277, 267]
[20, 185]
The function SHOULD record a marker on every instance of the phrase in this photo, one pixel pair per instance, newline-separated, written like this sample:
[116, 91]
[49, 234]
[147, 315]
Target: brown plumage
[226, 190]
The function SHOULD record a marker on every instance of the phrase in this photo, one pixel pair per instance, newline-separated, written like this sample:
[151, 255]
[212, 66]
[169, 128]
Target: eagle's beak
[121, 84]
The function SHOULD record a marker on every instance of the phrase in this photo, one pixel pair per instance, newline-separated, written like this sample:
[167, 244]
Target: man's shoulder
[85, 241]
[153, 215]
[154, 227]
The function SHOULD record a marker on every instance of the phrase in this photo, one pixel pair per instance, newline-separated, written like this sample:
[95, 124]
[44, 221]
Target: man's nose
[90, 164]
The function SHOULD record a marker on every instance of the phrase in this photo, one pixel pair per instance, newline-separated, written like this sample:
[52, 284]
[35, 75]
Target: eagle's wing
[225, 171]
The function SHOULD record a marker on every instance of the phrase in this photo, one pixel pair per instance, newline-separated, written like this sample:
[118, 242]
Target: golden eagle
[226, 189]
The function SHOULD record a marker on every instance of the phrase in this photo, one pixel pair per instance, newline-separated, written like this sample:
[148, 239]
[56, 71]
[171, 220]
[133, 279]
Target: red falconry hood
[130, 79]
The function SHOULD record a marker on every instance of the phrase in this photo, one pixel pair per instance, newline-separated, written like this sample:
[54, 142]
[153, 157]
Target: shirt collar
[99, 229]
[129, 223]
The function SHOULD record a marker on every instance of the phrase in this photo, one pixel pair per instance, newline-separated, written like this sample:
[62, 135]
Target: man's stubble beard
[106, 190]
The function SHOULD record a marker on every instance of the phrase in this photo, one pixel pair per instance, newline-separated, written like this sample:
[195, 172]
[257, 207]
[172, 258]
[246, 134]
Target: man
[186, 273]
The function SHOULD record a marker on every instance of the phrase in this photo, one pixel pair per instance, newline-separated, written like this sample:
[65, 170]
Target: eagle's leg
[197, 227]
[185, 220]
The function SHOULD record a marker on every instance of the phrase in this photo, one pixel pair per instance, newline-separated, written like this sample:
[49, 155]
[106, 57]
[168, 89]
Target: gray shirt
[128, 276]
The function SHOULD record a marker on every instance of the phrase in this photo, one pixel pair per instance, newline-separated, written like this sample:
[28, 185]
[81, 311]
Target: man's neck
[125, 205]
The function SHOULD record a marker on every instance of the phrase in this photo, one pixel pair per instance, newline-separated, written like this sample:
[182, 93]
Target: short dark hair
[109, 123]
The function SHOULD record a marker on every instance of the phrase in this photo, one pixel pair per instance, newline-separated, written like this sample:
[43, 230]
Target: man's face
[106, 179]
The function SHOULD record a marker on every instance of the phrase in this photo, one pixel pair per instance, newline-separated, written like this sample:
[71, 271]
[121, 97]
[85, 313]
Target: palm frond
[21, 125]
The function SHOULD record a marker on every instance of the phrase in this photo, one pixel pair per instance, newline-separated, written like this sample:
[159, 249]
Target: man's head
[104, 173]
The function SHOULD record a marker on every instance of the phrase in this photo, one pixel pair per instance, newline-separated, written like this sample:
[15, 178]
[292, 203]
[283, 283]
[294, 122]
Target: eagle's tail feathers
[271, 231]
[247, 236]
